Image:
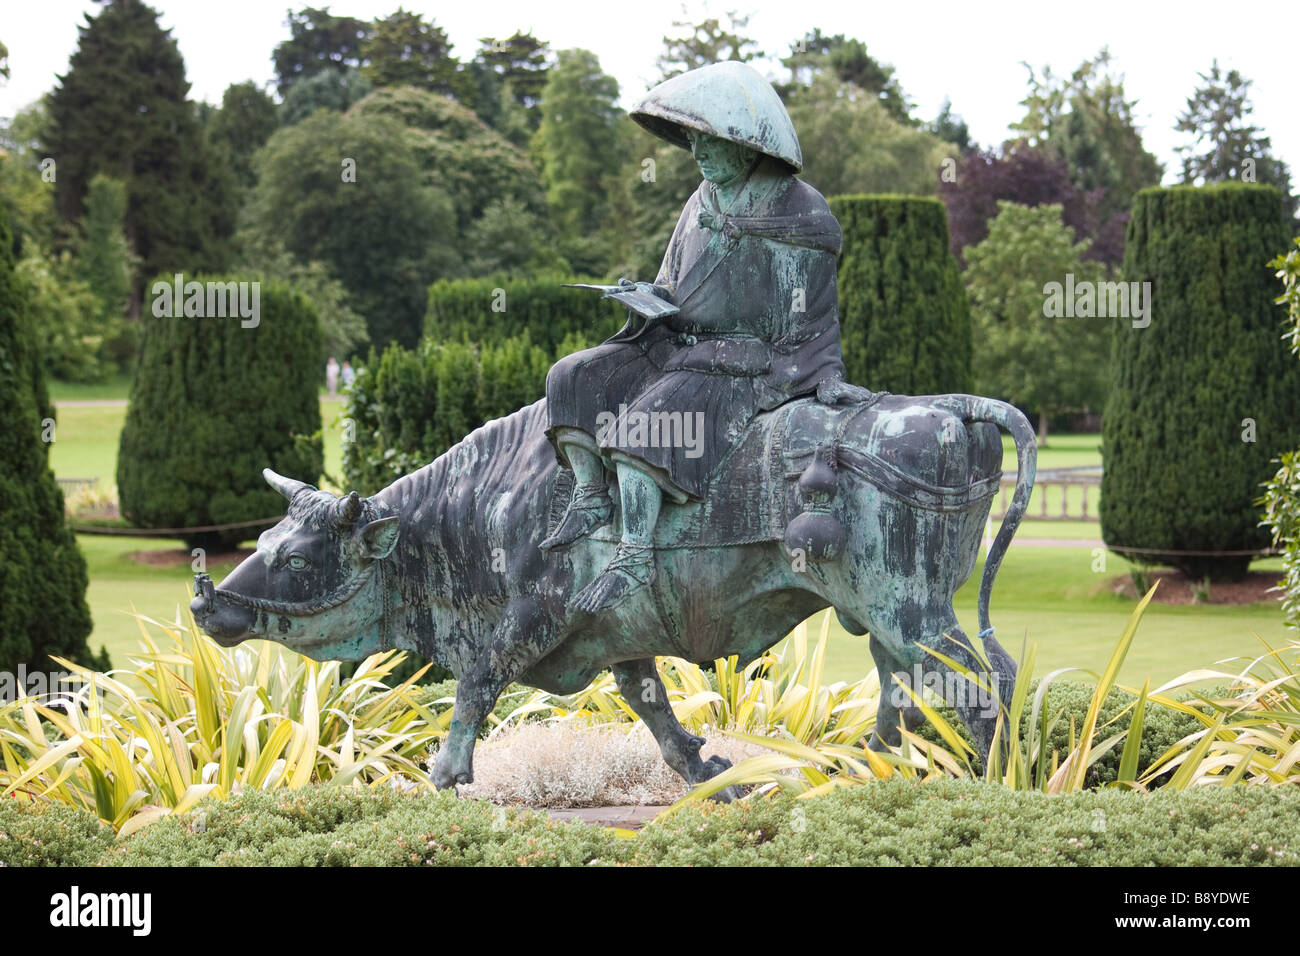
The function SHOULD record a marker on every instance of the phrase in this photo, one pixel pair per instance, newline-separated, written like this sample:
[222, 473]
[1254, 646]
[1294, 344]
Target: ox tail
[972, 408]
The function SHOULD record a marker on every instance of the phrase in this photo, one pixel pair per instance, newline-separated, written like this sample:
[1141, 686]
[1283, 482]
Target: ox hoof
[715, 765]
[445, 780]
[442, 784]
[710, 769]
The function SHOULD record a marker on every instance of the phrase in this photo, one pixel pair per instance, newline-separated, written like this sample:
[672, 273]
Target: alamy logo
[1102, 300]
[208, 300]
[652, 430]
[75, 909]
[948, 687]
[47, 686]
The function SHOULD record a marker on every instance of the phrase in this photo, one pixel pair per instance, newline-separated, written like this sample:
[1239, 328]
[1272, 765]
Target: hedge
[904, 316]
[887, 823]
[491, 310]
[215, 400]
[407, 407]
[1206, 396]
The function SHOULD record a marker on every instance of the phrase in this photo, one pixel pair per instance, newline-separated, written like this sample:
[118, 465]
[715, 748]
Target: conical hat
[729, 100]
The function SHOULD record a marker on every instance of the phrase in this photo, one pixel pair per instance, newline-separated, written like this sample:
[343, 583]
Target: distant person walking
[332, 376]
[349, 375]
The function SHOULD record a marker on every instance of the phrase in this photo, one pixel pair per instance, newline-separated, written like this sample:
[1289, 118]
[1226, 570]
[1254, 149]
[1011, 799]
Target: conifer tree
[43, 579]
[1204, 397]
[904, 318]
[215, 400]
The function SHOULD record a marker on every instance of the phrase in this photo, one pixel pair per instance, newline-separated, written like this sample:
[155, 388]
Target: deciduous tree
[1040, 361]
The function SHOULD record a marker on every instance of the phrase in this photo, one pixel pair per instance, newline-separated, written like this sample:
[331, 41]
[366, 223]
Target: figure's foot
[632, 570]
[589, 508]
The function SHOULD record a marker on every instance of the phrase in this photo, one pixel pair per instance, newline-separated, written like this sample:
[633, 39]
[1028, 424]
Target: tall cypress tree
[904, 318]
[1205, 396]
[121, 109]
[42, 574]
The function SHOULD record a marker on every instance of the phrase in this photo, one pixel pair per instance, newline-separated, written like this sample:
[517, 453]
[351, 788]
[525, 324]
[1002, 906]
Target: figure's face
[720, 160]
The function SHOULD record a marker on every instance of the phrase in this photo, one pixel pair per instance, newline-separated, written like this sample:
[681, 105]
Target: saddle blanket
[901, 445]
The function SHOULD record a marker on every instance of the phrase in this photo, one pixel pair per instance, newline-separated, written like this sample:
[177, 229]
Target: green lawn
[1062, 451]
[85, 441]
[117, 387]
[1050, 594]
[1053, 597]
[120, 586]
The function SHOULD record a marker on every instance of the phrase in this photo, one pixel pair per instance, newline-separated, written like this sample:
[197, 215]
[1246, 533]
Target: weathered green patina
[694, 487]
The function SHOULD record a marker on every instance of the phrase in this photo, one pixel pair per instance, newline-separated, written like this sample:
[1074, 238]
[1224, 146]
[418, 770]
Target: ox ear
[379, 537]
[286, 486]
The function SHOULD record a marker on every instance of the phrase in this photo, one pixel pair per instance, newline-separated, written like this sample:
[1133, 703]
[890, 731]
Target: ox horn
[286, 486]
[349, 509]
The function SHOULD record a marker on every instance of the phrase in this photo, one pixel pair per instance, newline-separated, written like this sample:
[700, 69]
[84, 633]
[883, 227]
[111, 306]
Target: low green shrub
[970, 823]
[324, 826]
[1163, 728]
[886, 823]
[36, 833]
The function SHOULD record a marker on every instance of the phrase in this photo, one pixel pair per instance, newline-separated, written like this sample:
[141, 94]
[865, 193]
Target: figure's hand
[833, 391]
[658, 290]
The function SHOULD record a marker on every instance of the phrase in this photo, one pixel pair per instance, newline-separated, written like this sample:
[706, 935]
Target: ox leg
[639, 683]
[896, 708]
[977, 708]
[524, 636]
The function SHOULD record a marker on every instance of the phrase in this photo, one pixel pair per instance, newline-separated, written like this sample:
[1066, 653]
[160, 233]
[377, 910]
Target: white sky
[969, 51]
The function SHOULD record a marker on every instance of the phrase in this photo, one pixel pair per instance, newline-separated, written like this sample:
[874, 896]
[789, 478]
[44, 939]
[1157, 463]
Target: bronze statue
[791, 491]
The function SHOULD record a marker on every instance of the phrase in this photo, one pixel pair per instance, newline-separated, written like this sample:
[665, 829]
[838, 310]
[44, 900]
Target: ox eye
[297, 562]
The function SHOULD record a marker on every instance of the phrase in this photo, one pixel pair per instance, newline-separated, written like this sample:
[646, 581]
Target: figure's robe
[758, 326]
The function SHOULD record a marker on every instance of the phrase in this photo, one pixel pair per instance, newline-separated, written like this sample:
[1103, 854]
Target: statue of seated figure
[750, 270]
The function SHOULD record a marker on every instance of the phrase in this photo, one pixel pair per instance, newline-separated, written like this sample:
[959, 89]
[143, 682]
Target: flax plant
[188, 719]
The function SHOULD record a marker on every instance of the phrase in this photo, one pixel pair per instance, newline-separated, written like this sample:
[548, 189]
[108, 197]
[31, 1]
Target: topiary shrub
[407, 407]
[1203, 398]
[488, 310]
[904, 317]
[213, 403]
[43, 607]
